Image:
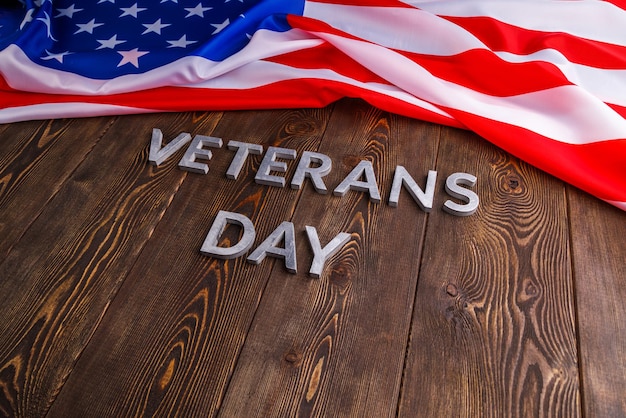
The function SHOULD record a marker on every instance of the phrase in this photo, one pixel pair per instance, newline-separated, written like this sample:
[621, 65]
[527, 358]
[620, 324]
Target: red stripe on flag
[478, 69]
[500, 36]
[326, 56]
[621, 110]
[619, 3]
[284, 94]
[483, 71]
[598, 168]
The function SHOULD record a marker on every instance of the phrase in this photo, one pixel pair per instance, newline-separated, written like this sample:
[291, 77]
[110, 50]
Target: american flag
[543, 79]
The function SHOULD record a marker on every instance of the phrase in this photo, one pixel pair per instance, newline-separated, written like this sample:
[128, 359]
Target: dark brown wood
[598, 243]
[6, 126]
[36, 158]
[60, 277]
[173, 335]
[109, 309]
[494, 328]
[334, 346]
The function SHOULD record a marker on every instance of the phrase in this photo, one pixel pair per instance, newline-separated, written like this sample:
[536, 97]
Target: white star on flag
[46, 21]
[197, 11]
[58, 56]
[220, 26]
[112, 42]
[181, 43]
[131, 57]
[87, 27]
[69, 11]
[132, 10]
[27, 18]
[155, 27]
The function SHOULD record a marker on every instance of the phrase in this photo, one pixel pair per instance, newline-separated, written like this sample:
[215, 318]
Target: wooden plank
[171, 338]
[5, 126]
[36, 158]
[599, 250]
[58, 280]
[494, 326]
[335, 346]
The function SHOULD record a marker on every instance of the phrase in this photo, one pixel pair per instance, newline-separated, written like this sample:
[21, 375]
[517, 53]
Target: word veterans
[314, 166]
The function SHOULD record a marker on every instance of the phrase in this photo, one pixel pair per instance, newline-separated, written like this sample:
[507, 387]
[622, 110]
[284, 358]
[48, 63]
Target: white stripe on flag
[65, 110]
[567, 114]
[589, 19]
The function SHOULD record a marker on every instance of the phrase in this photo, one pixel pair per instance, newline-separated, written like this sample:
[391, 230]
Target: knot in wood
[351, 161]
[512, 183]
[340, 276]
[452, 290]
[529, 290]
[292, 357]
[301, 127]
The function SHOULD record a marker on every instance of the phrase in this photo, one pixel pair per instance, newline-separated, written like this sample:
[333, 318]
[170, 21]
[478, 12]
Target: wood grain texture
[35, 160]
[599, 260]
[172, 337]
[109, 309]
[494, 326]
[5, 126]
[60, 277]
[334, 346]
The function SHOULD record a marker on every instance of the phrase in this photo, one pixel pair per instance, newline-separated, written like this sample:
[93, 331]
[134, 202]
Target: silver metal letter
[353, 182]
[243, 149]
[196, 151]
[269, 163]
[157, 154]
[468, 196]
[320, 255]
[403, 178]
[210, 247]
[314, 173]
[269, 247]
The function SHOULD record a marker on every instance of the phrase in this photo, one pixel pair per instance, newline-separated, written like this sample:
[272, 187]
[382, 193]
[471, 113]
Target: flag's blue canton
[103, 39]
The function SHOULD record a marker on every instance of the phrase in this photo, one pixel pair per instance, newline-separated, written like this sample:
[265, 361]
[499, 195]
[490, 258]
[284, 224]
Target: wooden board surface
[110, 309]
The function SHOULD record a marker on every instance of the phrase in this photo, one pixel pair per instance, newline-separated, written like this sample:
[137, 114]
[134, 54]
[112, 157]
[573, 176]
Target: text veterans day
[314, 166]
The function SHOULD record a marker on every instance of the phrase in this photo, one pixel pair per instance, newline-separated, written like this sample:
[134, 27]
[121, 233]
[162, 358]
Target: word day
[284, 233]
[314, 166]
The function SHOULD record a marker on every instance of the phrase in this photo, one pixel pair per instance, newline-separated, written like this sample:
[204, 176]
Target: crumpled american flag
[543, 79]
